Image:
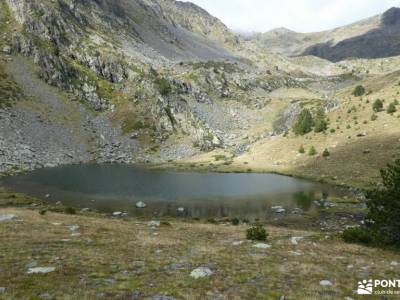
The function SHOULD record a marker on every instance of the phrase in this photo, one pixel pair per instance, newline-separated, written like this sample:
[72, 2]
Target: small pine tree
[256, 233]
[374, 117]
[320, 122]
[396, 102]
[301, 149]
[359, 91]
[304, 123]
[391, 108]
[164, 87]
[383, 219]
[312, 151]
[326, 153]
[377, 106]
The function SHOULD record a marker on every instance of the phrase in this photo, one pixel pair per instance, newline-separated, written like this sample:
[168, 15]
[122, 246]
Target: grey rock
[41, 270]
[295, 239]
[201, 272]
[161, 297]
[278, 209]
[31, 264]
[7, 217]
[140, 204]
[7, 49]
[262, 246]
[73, 227]
[154, 223]
[325, 283]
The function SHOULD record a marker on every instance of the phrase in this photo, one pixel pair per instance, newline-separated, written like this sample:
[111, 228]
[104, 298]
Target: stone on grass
[154, 223]
[201, 272]
[296, 253]
[278, 209]
[31, 264]
[7, 49]
[181, 209]
[237, 243]
[74, 227]
[140, 204]
[262, 246]
[325, 283]
[2, 289]
[295, 239]
[117, 213]
[394, 263]
[161, 297]
[41, 270]
[7, 217]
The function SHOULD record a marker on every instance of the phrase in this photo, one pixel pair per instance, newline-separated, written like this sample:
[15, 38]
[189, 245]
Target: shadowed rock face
[391, 17]
[376, 37]
[383, 41]
[176, 30]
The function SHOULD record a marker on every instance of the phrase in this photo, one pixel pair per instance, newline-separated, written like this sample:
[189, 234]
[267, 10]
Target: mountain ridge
[165, 82]
[347, 39]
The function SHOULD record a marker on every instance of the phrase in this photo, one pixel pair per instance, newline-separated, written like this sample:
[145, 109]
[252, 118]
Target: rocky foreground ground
[47, 254]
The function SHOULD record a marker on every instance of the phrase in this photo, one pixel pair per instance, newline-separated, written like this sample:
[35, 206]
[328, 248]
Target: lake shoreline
[178, 193]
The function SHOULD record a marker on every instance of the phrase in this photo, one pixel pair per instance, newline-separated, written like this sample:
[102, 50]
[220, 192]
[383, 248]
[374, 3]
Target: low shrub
[359, 91]
[256, 233]
[391, 108]
[235, 221]
[70, 211]
[378, 105]
[359, 235]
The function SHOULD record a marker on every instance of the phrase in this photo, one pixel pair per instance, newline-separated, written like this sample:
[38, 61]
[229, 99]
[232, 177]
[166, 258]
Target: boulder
[7, 217]
[325, 283]
[201, 272]
[262, 246]
[140, 204]
[295, 239]
[237, 243]
[7, 50]
[40, 270]
[154, 223]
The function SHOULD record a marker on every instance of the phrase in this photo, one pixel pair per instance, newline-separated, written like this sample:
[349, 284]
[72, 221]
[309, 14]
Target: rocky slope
[145, 80]
[157, 81]
[374, 37]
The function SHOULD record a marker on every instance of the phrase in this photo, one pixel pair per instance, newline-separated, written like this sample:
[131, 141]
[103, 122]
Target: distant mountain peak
[281, 30]
[391, 17]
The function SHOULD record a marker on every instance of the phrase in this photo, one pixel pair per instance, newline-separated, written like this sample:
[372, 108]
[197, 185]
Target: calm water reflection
[111, 188]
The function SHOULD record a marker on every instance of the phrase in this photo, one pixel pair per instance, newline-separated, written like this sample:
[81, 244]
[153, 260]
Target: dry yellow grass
[354, 160]
[114, 258]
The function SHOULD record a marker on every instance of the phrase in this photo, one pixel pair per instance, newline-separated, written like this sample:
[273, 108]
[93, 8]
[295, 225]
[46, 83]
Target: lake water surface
[114, 187]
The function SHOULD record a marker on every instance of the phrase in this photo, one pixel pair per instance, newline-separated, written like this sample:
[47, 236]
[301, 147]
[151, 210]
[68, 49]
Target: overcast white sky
[298, 15]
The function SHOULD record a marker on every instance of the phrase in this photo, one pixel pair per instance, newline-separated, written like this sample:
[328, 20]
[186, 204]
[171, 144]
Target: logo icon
[365, 287]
